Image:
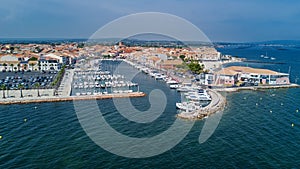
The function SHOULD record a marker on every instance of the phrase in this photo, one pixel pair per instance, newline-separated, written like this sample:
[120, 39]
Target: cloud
[219, 19]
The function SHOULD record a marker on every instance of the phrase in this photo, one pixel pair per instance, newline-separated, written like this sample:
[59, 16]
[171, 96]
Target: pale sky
[220, 20]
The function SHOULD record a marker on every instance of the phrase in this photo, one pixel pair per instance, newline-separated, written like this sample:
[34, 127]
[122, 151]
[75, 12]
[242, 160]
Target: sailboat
[266, 56]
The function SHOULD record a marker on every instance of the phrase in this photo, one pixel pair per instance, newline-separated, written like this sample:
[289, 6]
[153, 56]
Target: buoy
[0, 137]
[244, 98]
[293, 125]
[256, 104]
[297, 110]
[270, 111]
[281, 104]
[35, 107]
[260, 99]
[25, 120]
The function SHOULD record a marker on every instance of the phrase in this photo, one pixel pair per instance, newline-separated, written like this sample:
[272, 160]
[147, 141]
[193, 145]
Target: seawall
[8, 101]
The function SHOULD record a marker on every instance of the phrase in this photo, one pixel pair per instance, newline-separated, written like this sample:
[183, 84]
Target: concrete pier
[8, 101]
[217, 103]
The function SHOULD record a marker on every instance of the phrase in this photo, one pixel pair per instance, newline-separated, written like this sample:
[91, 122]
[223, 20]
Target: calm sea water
[255, 130]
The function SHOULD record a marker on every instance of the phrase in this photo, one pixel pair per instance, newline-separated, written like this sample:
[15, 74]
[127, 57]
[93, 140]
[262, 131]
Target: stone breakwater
[217, 103]
[68, 98]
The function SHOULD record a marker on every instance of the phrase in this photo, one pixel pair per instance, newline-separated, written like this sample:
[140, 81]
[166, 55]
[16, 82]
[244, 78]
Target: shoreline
[218, 102]
[254, 88]
[69, 98]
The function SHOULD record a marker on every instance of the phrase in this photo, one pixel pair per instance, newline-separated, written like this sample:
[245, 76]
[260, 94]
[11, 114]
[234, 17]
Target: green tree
[182, 57]
[3, 87]
[195, 67]
[4, 64]
[80, 45]
[11, 49]
[12, 67]
[18, 66]
[37, 86]
[33, 59]
[21, 87]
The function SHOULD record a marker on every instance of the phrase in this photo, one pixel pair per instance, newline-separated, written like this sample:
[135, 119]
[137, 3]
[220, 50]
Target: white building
[9, 63]
[49, 65]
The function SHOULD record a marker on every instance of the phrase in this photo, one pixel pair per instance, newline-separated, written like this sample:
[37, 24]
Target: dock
[217, 103]
[9, 101]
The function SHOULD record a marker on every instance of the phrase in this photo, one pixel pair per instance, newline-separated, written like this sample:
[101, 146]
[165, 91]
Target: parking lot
[29, 80]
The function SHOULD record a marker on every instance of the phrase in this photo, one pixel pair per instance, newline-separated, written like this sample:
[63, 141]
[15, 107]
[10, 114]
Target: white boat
[172, 82]
[159, 76]
[153, 73]
[174, 86]
[183, 88]
[272, 58]
[198, 97]
[145, 70]
[188, 106]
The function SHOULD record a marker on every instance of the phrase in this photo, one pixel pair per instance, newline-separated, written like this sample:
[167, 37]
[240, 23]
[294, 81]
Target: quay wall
[42, 99]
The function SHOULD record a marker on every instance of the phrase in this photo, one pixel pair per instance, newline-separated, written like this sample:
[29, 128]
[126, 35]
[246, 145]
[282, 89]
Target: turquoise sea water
[255, 130]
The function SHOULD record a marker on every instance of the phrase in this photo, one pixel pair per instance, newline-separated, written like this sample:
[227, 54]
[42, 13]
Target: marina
[97, 81]
[196, 102]
[92, 84]
[149, 84]
[218, 103]
[101, 82]
[49, 123]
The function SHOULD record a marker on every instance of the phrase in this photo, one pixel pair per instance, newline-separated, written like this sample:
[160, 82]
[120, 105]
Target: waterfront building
[206, 78]
[9, 63]
[49, 64]
[247, 75]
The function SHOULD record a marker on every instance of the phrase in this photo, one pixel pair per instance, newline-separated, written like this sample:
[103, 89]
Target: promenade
[65, 86]
[8, 101]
